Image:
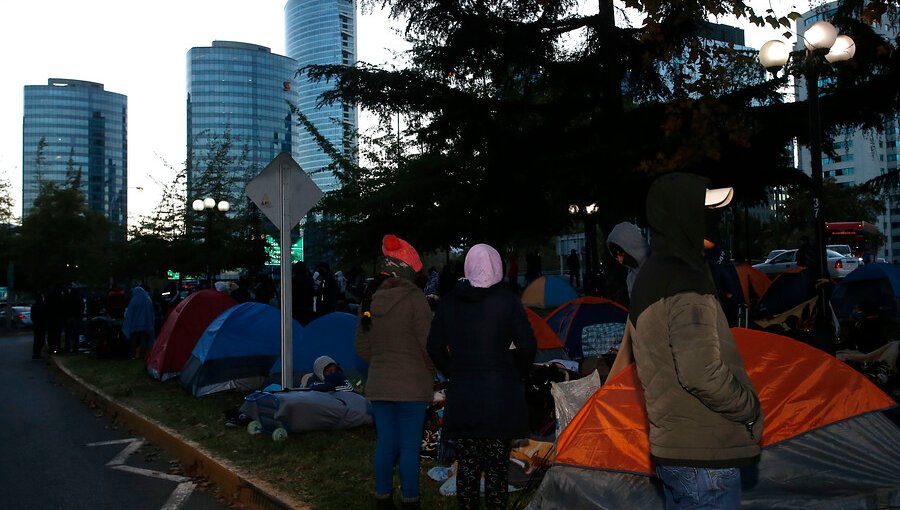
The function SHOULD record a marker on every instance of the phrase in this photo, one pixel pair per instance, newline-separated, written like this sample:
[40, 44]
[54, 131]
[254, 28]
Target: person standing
[139, 323]
[705, 417]
[38, 325]
[627, 245]
[485, 409]
[574, 267]
[394, 322]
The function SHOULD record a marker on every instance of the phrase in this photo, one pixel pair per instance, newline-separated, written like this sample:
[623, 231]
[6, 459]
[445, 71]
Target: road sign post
[284, 193]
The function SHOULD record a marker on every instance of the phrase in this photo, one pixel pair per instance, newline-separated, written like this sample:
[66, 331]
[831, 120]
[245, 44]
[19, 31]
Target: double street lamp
[822, 44]
[209, 204]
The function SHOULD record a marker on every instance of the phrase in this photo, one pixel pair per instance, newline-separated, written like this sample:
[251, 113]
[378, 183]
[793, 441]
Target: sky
[139, 49]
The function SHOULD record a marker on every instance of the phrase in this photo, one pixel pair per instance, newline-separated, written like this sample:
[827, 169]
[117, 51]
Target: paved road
[57, 454]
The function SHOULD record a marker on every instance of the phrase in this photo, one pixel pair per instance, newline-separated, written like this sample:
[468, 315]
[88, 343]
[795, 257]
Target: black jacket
[469, 342]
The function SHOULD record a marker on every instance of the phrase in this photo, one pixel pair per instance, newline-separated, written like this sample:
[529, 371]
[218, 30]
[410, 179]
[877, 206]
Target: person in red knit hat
[394, 322]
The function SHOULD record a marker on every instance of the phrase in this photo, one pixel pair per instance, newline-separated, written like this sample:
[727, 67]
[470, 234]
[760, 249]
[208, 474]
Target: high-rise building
[858, 155]
[238, 95]
[322, 32]
[74, 128]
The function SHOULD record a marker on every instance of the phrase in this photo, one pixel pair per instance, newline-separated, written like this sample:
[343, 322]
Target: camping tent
[237, 350]
[877, 283]
[754, 282]
[569, 320]
[333, 335]
[182, 329]
[831, 438]
[788, 290]
[548, 292]
[549, 345]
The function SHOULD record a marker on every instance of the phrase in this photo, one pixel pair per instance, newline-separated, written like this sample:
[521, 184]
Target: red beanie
[396, 248]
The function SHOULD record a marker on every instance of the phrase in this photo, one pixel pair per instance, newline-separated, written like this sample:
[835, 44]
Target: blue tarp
[331, 335]
[237, 350]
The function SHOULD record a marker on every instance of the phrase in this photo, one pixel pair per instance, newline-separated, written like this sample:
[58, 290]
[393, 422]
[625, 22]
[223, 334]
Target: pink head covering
[483, 266]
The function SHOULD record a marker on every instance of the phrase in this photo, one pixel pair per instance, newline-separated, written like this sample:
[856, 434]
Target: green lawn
[328, 470]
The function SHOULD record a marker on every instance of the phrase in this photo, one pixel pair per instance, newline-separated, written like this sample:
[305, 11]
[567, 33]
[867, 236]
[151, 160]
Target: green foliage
[62, 241]
[516, 109]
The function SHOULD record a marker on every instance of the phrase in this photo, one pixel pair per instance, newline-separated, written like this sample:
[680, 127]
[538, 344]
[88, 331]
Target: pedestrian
[138, 325]
[627, 245]
[303, 294]
[574, 267]
[704, 415]
[73, 315]
[55, 318]
[38, 325]
[533, 269]
[485, 409]
[394, 322]
[724, 274]
[512, 272]
[326, 290]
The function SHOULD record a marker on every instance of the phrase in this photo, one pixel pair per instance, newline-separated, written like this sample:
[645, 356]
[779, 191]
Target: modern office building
[858, 155]
[239, 95]
[322, 32]
[76, 129]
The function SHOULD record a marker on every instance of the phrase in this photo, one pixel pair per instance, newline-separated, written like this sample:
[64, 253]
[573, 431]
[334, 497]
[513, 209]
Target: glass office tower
[73, 127]
[241, 92]
[322, 32]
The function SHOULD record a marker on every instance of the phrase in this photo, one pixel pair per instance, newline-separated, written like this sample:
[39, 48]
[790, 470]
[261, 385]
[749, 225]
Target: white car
[839, 266]
[774, 253]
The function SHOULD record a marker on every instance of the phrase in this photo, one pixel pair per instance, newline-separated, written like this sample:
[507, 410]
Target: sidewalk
[237, 486]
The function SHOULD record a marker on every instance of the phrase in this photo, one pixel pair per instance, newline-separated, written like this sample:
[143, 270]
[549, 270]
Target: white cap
[718, 197]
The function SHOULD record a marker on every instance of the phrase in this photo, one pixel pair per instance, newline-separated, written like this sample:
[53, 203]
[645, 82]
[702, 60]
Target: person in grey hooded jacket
[705, 417]
[627, 245]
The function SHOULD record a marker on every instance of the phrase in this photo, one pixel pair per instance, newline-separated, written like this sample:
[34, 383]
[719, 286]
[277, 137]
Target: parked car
[774, 253]
[21, 316]
[839, 265]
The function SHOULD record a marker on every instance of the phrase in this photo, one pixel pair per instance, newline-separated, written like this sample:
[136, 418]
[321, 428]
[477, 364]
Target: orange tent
[753, 282]
[831, 438]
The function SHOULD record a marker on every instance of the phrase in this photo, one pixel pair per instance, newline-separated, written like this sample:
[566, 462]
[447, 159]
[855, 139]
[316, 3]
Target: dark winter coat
[394, 345]
[702, 409]
[470, 343]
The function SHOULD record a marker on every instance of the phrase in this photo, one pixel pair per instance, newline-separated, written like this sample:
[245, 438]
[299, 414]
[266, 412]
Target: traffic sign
[283, 182]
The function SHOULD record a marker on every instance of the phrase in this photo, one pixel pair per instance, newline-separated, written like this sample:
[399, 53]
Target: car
[21, 316]
[774, 253]
[839, 265]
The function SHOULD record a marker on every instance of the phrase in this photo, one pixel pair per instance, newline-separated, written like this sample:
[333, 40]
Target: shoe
[410, 505]
[384, 502]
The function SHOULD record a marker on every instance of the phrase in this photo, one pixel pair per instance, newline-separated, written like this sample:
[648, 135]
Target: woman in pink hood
[481, 340]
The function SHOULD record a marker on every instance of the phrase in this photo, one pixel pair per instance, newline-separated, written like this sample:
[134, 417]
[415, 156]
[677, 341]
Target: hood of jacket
[630, 239]
[391, 292]
[675, 213]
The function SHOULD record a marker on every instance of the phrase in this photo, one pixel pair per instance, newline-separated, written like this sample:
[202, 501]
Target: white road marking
[181, 493]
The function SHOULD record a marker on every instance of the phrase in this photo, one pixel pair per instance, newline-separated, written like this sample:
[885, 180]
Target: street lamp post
[209, 204]
[822, 44]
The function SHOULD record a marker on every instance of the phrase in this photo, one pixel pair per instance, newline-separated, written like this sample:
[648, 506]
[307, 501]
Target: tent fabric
[787, 290]
[831, 439]
[181, 331]
[876, 282]
[754, 283]
[334, 335]
[548, 292]
[546, 337]
[569, 319]
[237, 350]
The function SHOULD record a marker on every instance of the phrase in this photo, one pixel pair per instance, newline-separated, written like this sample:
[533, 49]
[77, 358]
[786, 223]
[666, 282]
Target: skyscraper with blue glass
[76, 129]
[322, 32]
[238, 112]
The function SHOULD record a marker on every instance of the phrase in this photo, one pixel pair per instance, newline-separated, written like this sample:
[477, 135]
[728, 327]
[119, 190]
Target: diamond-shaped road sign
[283, 179]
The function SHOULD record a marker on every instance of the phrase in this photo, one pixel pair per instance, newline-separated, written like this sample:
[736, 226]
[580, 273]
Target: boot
[411, 504]
[384, 502]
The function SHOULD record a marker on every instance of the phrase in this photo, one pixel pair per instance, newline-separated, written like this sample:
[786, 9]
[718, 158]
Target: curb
[237, 486]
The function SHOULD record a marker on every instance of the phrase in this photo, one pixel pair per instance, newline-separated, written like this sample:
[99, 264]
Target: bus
[863, 237]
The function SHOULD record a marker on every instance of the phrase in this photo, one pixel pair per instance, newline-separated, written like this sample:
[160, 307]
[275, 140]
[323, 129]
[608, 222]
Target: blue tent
[879, 284]
[598, 315]
[237, 350]
[333, 335]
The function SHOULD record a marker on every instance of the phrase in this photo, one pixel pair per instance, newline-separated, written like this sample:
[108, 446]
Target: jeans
[399, 427]
[688, 488]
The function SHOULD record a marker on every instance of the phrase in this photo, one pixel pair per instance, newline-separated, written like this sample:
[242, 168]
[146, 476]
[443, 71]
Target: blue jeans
[399, 427]
[688, 488]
